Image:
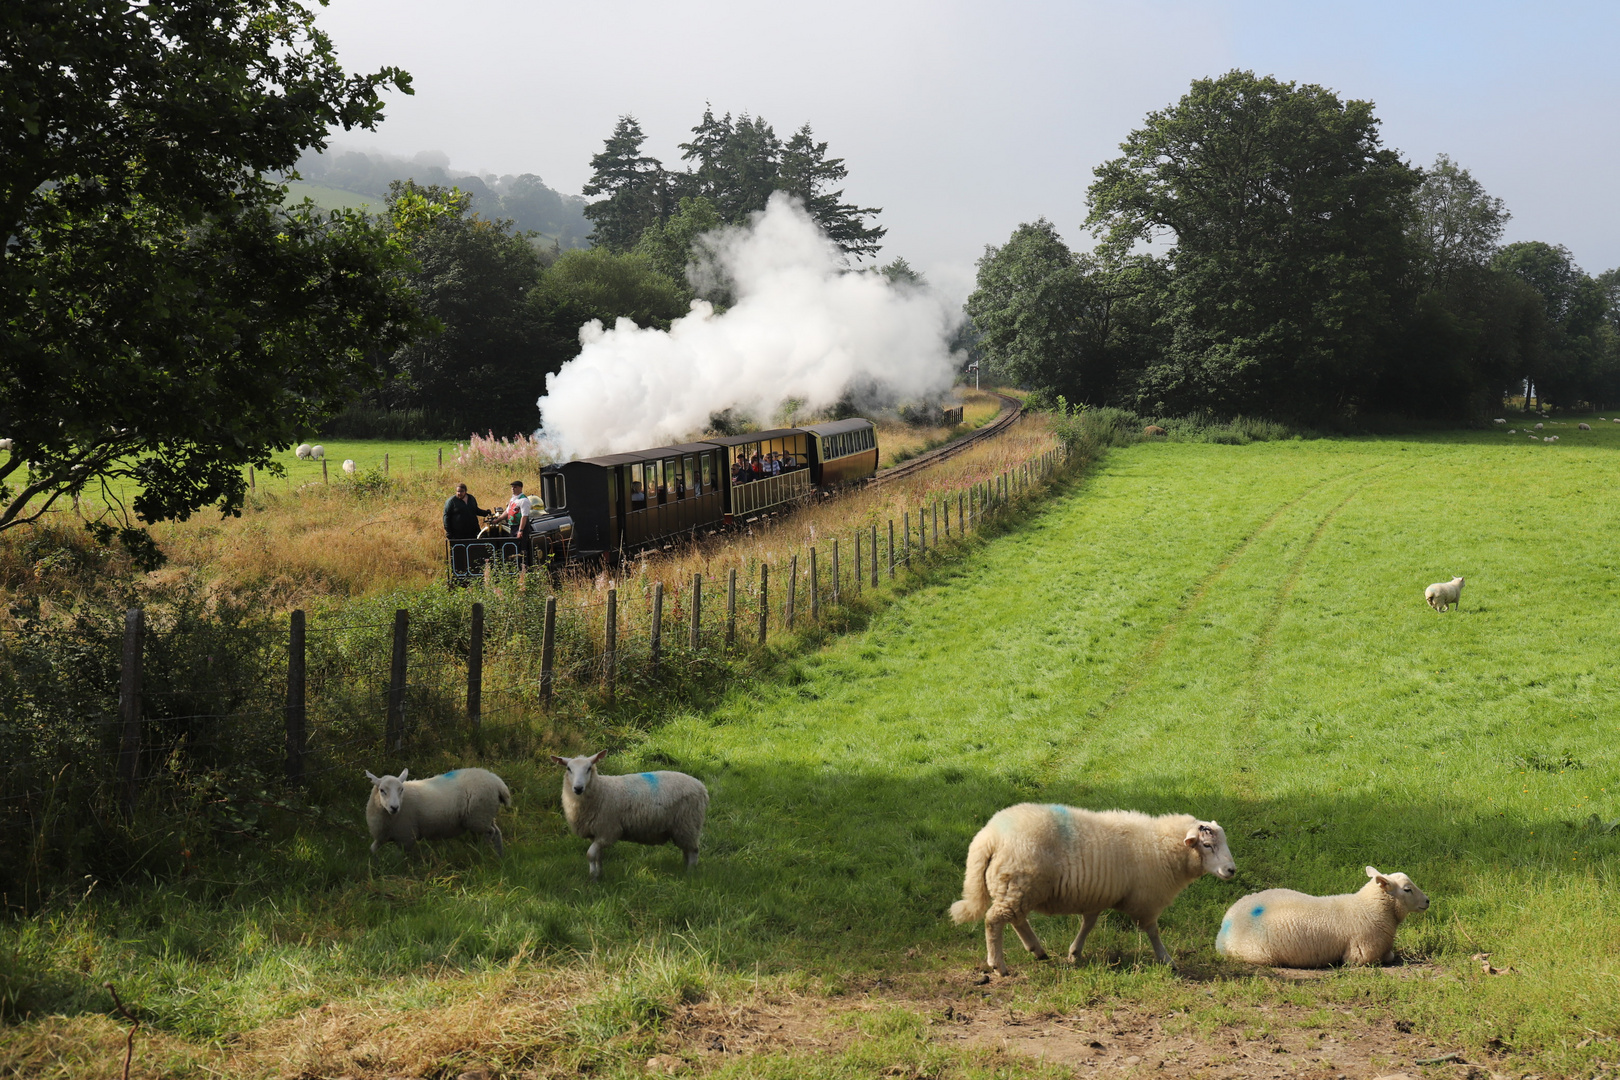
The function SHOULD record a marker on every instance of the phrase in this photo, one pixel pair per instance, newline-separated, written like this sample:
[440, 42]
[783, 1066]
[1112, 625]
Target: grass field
[1236, 632]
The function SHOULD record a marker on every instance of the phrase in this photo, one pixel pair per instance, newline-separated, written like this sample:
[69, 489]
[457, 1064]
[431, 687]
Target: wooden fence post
[475, 668]
[835, 572]
[394, 733]
[855, 578]
[385, 463]
[129, 709]
[874, 553]
[793, 588]
[697, 610]
[961, 513]
[610, 655]
[815, 589]
[657, 623]
[441, 457]
[947, 503]
[936, 524]
[764, 600]
[905, 538]
[731, 608]
[922, 530]
[891, 549]
[548, 652]
[252, 486]
[295, 698]
[325, 479]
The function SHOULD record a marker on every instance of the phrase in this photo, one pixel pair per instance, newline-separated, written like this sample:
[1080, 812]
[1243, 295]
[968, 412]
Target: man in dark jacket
[461, 513]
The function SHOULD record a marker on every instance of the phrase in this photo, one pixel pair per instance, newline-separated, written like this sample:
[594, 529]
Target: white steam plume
[800, 328]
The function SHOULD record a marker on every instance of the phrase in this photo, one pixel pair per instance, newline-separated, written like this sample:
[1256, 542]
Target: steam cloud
[800, 328]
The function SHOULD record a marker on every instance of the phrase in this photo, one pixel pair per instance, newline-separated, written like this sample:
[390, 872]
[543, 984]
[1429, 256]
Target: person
[756, 465]
[638, 498]
[773, 466]
[461, 514]
[789, 461]
[519, 511]
[739, 471]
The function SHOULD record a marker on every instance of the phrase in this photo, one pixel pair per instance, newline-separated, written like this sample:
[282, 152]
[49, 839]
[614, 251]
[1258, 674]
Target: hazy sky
[962, 120]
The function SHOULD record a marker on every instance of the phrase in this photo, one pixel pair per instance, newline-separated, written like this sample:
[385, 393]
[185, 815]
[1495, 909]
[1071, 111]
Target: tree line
[1310, 275]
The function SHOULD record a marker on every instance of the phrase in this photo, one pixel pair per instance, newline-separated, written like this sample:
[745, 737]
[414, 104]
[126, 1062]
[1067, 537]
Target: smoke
[800, 329]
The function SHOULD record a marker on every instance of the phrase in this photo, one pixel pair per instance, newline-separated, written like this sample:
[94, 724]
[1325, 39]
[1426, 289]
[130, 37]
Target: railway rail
[1011, 410]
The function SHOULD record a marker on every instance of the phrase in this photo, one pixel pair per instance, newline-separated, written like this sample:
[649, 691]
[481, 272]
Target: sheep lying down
[404, 811]
[1284, 928]
[1061, 860]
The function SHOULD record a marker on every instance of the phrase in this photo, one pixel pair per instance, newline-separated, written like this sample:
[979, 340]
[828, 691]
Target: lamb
[1284, 928]
[302, 451]
[1583, 427]
[643, 808]
[1061, 860]
[462, 800]
[1444, 594]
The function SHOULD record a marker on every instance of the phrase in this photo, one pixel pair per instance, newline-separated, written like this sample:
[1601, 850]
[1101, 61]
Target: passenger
[756, 465]
[461, 514]
[773, 464]
[789, 461]
[739, 471]
[638, 498]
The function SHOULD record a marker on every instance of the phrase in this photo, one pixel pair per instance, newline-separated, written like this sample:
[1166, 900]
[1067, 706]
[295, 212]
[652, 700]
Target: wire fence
[207, 712]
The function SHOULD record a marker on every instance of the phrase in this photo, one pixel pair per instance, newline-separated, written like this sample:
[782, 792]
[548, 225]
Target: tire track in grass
[1143, 664]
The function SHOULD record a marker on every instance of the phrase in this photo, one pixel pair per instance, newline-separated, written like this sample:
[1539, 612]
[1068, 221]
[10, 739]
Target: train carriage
[620, 503]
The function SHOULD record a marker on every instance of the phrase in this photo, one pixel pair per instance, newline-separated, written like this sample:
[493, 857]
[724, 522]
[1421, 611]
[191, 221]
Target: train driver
[520, 512]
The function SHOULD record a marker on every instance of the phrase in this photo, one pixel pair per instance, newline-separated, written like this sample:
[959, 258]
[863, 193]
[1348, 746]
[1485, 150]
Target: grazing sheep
[348, 466]
[317, 451]
[1060, 860]
[1284, 928]
[5, 444]
[461, 800]
[1153, 429]
[643, 808]
[1513, 431]
[1583, 427]
[1443, 594]
[1502, 421]
[1540, 426]
[302, 451]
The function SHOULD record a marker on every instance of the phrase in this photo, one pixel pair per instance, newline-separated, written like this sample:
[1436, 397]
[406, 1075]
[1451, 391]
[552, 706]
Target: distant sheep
[348, 466]
[302, 451]
[1444, 594]
[643, 808]
[1583, 427]
[1059, 860]
[5, 444]
[317, 451]
[1513, 431]
[1540, 426]
[1153, 429]
[460, 801]
[1284, 928]
[1502, 421]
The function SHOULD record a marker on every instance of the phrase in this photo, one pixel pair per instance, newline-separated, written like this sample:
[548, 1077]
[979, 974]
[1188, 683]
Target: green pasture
[1235, 632]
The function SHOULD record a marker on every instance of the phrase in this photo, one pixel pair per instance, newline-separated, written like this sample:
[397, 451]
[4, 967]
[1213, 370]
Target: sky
[962, 120]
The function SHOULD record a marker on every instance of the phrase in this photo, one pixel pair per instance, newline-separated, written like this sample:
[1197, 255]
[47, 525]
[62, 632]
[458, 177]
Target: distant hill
[351, 179]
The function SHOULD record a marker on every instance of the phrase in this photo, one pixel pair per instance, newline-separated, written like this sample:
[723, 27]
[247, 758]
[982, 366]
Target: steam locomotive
[603, 508]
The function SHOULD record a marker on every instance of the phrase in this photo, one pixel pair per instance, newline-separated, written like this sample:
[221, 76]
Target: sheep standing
[1583, 427]
[302, 451]
[317, 452]
[1060, 860]
[643, 808]
[462, 800]
[1285, 928]
[1443, 594]
[348, 466]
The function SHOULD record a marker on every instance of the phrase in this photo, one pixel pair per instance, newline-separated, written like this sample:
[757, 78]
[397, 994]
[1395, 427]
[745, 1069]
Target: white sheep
[459, 801]
[1284, 928]
[348, 466]
[1540, 426]
[302, 451]
[317, 452]
[1061, 860]
[1444, 594]
[1583, 427]
[643, 808]
[1499, 421]
[1513, 431]
[5, 444]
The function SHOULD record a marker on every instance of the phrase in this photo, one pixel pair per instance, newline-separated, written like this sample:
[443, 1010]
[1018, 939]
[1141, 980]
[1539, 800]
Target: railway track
[1011, 410]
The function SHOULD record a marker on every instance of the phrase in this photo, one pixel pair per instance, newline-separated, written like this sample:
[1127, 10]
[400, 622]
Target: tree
[1573, 361]
[634, 187]
[1456, 224]
[473, 277]
[668, 244]
[808, 174]
[599, 284]
[738, 163]
[163, 319]
[1288, 223]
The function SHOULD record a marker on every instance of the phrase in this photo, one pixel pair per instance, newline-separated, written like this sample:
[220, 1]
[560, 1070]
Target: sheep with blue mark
[1060, 860]
[1284, 928]
[404, 811]
[644, 808]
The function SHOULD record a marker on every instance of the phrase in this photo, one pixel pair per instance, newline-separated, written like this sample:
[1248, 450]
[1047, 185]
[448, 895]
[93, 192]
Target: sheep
[1540, 426]
[1583, 427]
[348, 466]
[1513, 431]
[643, 808]
[5, 444]
[1061, 860]
[1284, 928]
[462, 800]
[317, 452]
[1443, 594]
[1502, 421]
[302, 451]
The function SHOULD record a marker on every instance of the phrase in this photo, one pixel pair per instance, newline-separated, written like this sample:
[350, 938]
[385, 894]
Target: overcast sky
[962, 120]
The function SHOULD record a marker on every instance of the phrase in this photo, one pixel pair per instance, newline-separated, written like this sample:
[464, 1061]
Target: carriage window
[638, 487]
[553, 492]
[689, 477]
[826, 448]
[666, 490]
[708, 473]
